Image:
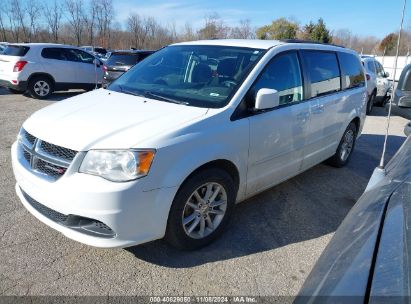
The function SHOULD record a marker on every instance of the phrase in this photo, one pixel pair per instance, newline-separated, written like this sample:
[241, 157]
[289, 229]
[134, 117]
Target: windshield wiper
[122, 90]
[163, 98]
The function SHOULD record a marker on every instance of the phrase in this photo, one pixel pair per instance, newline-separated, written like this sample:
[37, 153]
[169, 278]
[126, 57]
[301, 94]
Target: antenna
[392, 90]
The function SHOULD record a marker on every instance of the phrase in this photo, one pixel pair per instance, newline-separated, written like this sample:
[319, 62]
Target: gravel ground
[269, 249]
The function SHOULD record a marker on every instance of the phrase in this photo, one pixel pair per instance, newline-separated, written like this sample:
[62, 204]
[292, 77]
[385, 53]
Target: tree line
[93, 22]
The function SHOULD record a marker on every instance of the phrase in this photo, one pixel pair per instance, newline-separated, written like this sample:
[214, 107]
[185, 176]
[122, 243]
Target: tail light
[368, 76]
[19, 66]
[104, 68]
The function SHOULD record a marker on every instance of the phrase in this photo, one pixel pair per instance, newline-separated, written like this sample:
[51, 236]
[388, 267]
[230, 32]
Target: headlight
[118, 165]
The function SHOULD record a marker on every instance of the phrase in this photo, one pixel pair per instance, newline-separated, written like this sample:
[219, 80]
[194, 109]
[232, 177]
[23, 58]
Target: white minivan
[170, 146]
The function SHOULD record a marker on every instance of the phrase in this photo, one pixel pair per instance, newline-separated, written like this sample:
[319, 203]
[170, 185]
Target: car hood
[104, 119]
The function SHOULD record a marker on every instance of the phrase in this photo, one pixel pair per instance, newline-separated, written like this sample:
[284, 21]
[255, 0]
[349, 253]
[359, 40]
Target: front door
[277, 136]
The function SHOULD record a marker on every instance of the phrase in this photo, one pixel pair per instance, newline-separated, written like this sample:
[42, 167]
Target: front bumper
[20, 86]
[134, 214]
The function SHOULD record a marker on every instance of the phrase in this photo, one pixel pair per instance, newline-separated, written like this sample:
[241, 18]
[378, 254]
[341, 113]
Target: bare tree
[33, 9]
[19, 13]
[90, 20]
[213, 28]
[75, 18]
[53, 14]
[243, 31]
[188, 33]
[105, 16]
[139, 29]
[2, 24]
[14, 25]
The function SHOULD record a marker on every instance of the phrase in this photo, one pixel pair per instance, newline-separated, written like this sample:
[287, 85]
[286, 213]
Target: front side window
[352, 70]
[323, 71]
[195, 75]
[284, 75]
[371, 67]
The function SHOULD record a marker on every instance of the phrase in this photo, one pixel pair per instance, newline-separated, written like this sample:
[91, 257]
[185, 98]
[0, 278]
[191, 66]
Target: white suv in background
[170, 146]
[41, 68]
[377, 82]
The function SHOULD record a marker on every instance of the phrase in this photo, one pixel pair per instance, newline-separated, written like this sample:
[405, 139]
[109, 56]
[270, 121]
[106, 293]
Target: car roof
[131, 51]
[266, 44]
[45, 45]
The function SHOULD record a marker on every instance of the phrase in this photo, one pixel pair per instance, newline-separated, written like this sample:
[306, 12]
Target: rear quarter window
[352, 70]
[16, 50]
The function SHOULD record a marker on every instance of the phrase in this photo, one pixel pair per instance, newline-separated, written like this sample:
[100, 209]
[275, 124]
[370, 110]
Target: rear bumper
[20, 86]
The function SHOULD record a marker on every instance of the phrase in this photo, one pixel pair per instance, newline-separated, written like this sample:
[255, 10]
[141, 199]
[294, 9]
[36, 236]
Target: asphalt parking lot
[269, 249]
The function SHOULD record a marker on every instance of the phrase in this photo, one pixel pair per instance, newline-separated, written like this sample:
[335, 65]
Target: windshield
[200, 76]
[122, 59]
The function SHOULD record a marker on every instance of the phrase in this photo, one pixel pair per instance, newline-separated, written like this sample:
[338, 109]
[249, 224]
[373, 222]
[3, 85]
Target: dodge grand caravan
[170, 147]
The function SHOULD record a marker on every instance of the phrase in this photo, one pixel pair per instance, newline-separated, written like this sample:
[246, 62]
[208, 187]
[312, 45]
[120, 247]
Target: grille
[57, 151]
[47, 212]
[30, 138]
[50, 160]
[50, 169]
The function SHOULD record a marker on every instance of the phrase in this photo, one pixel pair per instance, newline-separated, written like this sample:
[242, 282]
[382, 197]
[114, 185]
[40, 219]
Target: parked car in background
[170, 147]
[401, 104]
[121, 61]
[42, 68]
[3, 46]
[368, 258]
[377, 82]
[95, 50]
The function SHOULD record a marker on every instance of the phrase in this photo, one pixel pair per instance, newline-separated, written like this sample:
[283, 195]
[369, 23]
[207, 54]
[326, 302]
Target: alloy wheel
[204, 210]
[347, 144]
[42, 88]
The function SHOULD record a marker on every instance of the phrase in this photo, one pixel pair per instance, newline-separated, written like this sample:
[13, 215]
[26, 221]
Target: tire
[370, 103]
[14, 91]
[383, 101]
[347, 144]
[40, 87]
[178, 234]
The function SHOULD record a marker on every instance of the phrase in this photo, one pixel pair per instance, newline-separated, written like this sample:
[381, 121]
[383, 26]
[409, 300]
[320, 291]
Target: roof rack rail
[309, 41]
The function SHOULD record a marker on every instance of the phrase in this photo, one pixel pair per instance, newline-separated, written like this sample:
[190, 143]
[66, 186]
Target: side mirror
[267, 99]
[386, 74]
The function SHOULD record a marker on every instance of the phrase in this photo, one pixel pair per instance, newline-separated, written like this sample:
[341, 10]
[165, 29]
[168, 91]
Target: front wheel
[40, 87]
[201, 209]
[345, 148]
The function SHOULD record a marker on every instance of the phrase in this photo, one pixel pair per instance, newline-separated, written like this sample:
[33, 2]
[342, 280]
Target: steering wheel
[229, 83]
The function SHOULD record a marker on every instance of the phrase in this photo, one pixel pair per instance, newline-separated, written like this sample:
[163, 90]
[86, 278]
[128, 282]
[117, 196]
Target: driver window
[284, 75]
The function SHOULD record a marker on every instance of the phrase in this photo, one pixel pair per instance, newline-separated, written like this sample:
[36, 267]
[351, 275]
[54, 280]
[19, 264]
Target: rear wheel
[40, 87]
[370, 103]
[345, 148]
[201, 209]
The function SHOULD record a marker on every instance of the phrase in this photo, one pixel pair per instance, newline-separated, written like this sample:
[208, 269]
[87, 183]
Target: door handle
[318, 109]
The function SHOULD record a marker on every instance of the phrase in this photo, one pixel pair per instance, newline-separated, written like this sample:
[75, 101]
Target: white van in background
[42, 68]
